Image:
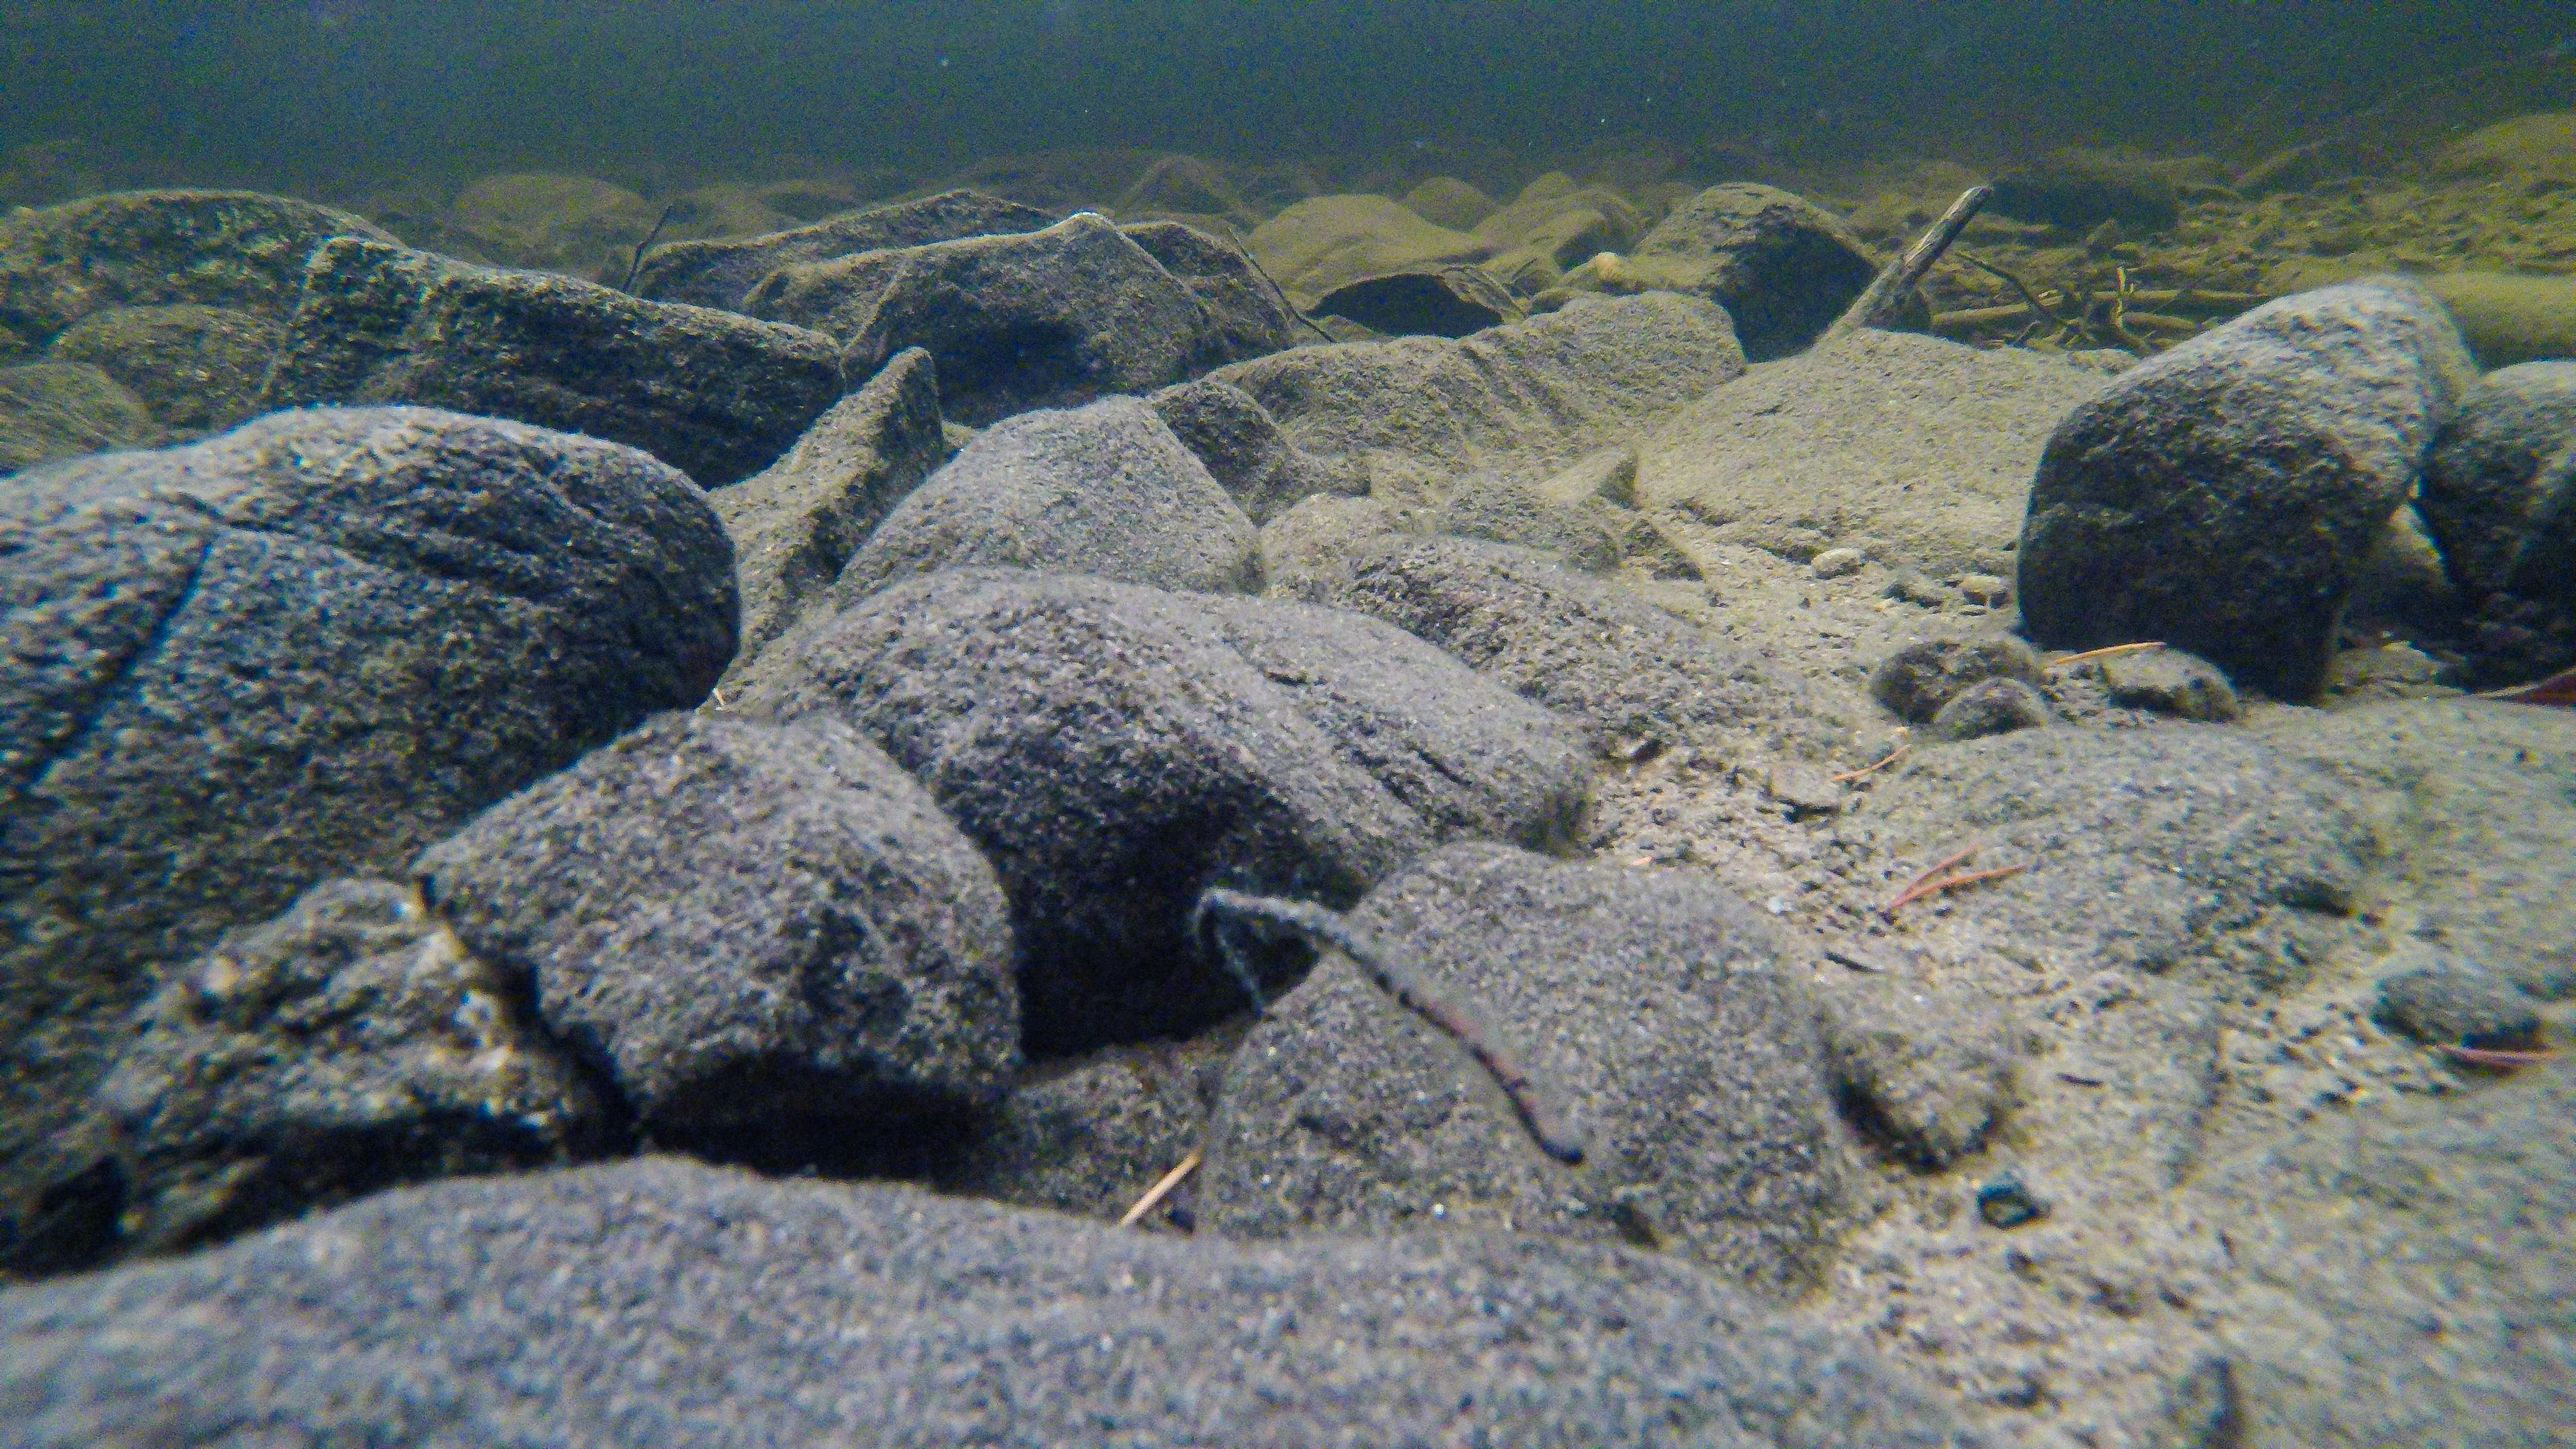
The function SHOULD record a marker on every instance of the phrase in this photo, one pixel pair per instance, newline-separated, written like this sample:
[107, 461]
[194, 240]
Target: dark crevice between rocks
[73, 1225]
[900, 1133]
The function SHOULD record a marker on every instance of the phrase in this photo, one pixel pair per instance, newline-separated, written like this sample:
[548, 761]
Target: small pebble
[2005, 1202]
[1990, 707]
[1834, 563]
[2457, 1003]
[1987, 589]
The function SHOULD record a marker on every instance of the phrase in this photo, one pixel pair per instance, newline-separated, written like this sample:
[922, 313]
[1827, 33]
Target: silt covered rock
[2500, 488]
[199, 369]
[1782, 267]
[51, 410]
[717, 396]
[722, 272]
[1244, 450]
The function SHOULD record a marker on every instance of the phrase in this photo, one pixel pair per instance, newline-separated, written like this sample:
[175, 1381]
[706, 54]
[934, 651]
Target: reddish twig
[2557, 689]
[1914, 889]
[1933, 882]
[1219, 909]
[1865, 771]
[2503, 1061]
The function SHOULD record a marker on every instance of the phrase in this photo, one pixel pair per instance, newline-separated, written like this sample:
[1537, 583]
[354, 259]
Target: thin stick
[1885, 297]
[2493, 1057]
[2018, 285]
[1154, 1195]
[1918, 882]
[1952, 882]
[1865, 771]
[2105, 652]
[2559, 689]
[1219, 909]
[646, 244]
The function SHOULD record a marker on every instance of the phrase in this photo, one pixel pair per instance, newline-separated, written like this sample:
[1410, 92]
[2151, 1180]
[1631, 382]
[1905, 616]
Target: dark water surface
[336, 90]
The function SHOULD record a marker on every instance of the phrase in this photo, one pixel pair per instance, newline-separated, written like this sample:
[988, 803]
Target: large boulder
[715, 395]
[673, 1305]
[1195, 740]
[1656, 1010]
[795, 524]
[1782, 267]
[1247, 315]
[2500, 488]
[1054, 318]
[348, 1045]
[2224, 496]
[1104, 489]
[1244, 450]
[51, 410]
[747, 928]
[306, 648]
[578, 225]
[1911, 449]
[235, 249]
[1634, 678]
[721, 273]
[1525, 399]
[199, 369]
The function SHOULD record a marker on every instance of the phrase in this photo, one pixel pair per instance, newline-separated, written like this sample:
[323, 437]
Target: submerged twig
[637, 264]
[1222, 911]
[1160, 1190]
[1885, 296]
[2496, 1058]
[1872, 768]
[1940, 878]
[2105, 652]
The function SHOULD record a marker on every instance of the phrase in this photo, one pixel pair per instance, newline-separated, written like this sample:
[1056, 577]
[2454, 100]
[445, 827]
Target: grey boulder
[795, 524]
[1114, 750]
[2224, 496]
[666, 1304]
[1046, 319]
[1104, 489]
[346, 1046]
[748, 928]
[1782, 267]
[1247, 315]
[713, 394]
[305, 648]
[1655, 1010]
[720, 272]
[2500, 488]
[1245, 451]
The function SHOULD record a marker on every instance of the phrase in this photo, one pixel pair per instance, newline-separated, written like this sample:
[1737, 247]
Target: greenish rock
[1449, 202]
[51, 410]
[578, 225]
[719, 273]
[236, 249]
[1320, 245]
[1782, 267]
[1452, 300]
[716, 395]
[199, 369]
[348, 1045]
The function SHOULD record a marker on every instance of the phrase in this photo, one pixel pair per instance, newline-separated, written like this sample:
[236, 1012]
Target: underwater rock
[1925, 1070]
[1047, 319]
[667, 1304]
[1243, 449]
[1307, 552]
[1915, 682]
[1455, 300]
[1189, 190]
[1311, 758]
[1651, 1009]
[349, 1045]
[236, 249]
[2457, 1003]
[717, 396]
[2508, 317]
[755, 931]
[1611, 663]
[1092, 1136]
[1247, 316]
[1320, 245]
[2533, 147]
[1990, 707]
[51, 410]
[2499, 490]
[2169, 681]
[1504, 510]
[1537, 237]
[1103, 490]
[720, 273]
[1446, 201]
[1915, 450]
[199, 369]
[2079, 190]
[1782, 267]
[1537, 394]
[578, 225]
[2225, 495]
[795, 525]
[1608, 475]
[305, 648]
